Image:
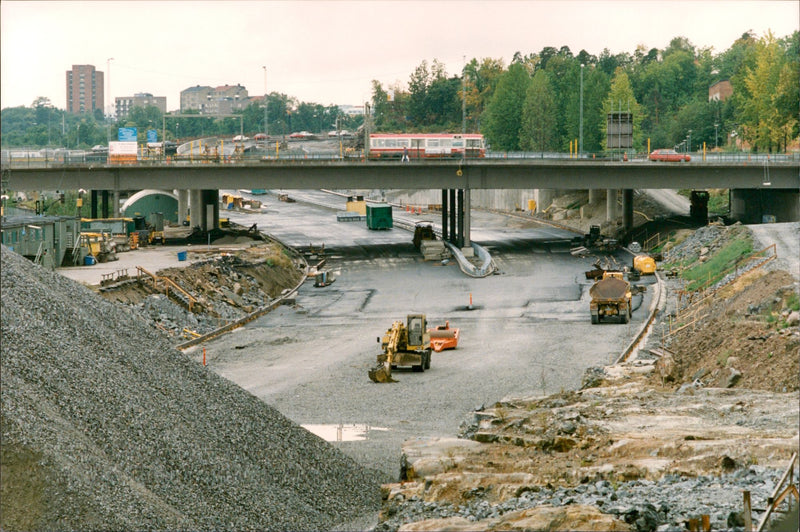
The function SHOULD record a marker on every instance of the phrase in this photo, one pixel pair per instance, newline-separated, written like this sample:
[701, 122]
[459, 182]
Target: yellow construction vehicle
[404, 344]
[644, 264]
[101, 246]
[611, 297]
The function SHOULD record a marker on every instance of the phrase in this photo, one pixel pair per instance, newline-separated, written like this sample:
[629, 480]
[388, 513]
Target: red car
[669, 155]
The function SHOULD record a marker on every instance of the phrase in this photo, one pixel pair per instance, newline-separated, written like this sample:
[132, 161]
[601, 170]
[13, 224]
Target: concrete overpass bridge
[760, 187]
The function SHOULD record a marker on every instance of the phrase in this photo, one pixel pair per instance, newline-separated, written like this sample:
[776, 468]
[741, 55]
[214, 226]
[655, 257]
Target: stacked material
[105, 426]
[433, 250]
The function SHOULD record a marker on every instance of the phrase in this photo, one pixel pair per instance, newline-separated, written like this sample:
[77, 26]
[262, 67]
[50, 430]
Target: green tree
[504, 112]
[771, 86]
[620, 98]
[538, 128]
[481, 80]
[596, 85]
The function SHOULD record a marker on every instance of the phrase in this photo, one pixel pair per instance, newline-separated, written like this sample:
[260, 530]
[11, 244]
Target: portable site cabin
[50, 241]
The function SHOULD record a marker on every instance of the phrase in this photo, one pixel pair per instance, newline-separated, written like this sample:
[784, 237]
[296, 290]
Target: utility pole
[266, 104]
[464, 100]
[580, 121]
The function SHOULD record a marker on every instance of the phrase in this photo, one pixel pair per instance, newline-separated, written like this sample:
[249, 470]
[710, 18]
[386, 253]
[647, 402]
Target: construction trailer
[50, 241]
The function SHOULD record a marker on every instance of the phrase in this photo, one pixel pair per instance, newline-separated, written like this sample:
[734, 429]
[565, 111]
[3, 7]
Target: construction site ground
[641, 421]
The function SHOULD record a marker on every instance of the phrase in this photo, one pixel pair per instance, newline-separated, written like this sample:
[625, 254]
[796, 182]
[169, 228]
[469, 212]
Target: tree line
[42, 124]
[535, 102]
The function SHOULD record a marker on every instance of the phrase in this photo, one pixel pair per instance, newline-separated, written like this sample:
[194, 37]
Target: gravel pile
[106, 426]
[663, 505]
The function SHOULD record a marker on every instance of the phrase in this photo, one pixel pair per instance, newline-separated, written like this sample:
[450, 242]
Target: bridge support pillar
[456, 217]
[467, 223]
[105, 204]
[195, 208]
[611, 204]
[183, 205]
[752, 206]
[115, 207]
[594, 196]
[445, 214]
[544, 197]
[627, 209]
[93, 210]
[210, 204]
[453, 211]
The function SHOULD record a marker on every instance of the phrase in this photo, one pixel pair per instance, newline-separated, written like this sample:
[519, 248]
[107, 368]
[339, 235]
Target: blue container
[181, 255]
[88, 260]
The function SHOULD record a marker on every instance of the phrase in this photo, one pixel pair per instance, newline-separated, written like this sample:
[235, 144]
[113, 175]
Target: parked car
[669, 156]
[99, 148]
[301, 135]
[260, 136]
[240, 138]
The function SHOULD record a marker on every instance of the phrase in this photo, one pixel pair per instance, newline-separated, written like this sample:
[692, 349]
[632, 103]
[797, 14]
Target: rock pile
[106, 426]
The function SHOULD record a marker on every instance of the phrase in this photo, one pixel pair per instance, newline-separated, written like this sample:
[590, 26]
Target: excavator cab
[416, 329]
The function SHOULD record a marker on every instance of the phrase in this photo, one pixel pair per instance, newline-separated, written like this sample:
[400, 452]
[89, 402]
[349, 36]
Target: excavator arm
[383, 371]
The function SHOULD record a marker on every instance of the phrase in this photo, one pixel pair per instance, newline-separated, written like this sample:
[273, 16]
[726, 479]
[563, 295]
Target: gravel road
[786, 237]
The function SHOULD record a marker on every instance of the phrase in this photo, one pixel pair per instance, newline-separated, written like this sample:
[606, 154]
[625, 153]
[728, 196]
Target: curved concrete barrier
[486, 268]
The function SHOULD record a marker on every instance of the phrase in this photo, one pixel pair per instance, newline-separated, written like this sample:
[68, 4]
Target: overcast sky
[328, 52]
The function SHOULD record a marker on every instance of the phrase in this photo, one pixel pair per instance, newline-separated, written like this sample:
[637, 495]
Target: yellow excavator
[404, 344]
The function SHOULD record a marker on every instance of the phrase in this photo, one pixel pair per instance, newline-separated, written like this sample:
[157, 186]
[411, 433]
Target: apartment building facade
[124, 104]
[85, 92]
[220, 100]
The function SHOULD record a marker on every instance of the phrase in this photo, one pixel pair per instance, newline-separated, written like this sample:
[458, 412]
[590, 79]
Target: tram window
[433, 143]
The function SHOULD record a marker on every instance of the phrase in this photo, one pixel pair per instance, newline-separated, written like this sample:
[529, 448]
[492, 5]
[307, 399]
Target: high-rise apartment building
[84, 89]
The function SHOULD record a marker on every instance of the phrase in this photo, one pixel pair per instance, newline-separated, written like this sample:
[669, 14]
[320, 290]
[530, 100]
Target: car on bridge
[669, 156]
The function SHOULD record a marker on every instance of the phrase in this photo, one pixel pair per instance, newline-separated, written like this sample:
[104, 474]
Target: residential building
[352, 110]
[85, 92]
[124, 104]
[720, 91]
[215, 100]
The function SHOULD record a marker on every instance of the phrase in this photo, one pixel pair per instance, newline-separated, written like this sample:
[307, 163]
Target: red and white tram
[424, 145]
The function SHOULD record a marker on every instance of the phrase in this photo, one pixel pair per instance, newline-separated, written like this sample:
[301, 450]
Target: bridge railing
[45, 158]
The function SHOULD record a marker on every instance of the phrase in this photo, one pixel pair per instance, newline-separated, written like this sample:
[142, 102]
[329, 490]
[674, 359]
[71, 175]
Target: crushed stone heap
[106, 426]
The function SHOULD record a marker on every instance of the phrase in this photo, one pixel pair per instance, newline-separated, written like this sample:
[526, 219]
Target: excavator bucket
[380, 374]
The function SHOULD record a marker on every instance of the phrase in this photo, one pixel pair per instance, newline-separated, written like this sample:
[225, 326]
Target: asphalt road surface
[528, 332]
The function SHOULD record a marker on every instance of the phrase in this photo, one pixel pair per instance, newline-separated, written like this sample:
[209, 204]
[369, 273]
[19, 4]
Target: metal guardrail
[26, 158]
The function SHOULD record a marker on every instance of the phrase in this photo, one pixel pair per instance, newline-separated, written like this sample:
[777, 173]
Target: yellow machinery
[611, 297]
[644, 264]
[404, 344]
[101, 246]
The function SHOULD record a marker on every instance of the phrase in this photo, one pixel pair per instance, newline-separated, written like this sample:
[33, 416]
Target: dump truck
[611, 298]
[443, 337]
[403, 345]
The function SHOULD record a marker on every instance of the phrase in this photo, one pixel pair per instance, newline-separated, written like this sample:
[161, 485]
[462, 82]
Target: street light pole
[266, 104]
[716, 137]
[689, 150]
[108, 96]
[580, 121]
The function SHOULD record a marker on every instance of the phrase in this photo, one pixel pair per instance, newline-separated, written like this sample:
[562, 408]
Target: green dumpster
[379, 216]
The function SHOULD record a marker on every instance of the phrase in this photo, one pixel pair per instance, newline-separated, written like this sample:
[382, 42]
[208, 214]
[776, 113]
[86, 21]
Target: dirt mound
[760, 345]
[226, 285]
[105, 426]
